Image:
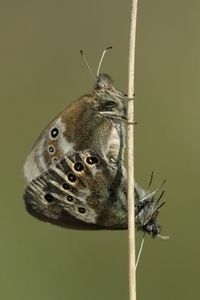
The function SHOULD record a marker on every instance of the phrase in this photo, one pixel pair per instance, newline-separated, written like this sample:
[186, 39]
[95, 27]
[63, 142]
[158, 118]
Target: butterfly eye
[70, 198]
[81, 210]
[54, 132]
[108, 105]
[91, 160]
[48, 197]
[71, 177]
[65, 186]
[51, 149]
[78, 166]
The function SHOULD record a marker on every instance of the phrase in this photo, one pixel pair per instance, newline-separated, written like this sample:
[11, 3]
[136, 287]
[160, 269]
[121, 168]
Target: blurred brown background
[41, 71]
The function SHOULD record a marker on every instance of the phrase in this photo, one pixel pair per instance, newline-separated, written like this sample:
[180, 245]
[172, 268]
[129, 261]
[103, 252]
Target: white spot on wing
[64, 145]
[31, 169]
[113, 144]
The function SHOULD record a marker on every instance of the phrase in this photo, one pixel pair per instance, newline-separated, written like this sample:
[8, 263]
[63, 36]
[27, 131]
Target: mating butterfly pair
[75, 172]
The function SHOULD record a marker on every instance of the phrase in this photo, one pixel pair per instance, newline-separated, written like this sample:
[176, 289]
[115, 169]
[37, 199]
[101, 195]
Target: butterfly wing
[74, 193]
[81, 126]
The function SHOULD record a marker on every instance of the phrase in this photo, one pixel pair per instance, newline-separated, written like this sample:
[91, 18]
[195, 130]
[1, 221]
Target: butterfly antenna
[162, 183]
[101, 59]
[161, 195]
[154, 192]
[151, 179]
[87, 64]
[140, 252]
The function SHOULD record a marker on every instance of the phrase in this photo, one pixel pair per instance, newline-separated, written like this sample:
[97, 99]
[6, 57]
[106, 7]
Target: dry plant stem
[130, 153]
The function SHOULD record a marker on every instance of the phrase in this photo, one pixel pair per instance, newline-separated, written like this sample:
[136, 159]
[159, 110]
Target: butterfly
[94, 121]
[83, 191]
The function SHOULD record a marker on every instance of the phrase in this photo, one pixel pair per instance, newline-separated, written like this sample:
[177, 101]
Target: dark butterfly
[84, 191]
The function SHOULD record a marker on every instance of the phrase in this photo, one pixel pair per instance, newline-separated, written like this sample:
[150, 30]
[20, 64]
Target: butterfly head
[110, 101]
[104, 83]
[146, 211]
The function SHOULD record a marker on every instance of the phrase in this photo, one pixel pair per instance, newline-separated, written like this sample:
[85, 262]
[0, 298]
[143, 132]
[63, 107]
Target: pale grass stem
[130, 153]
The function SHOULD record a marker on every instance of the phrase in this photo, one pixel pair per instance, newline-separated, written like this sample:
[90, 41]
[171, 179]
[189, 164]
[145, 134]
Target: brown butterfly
[94, 121]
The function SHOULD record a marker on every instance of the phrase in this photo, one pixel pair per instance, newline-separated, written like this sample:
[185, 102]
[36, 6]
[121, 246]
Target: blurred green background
[41, 71]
